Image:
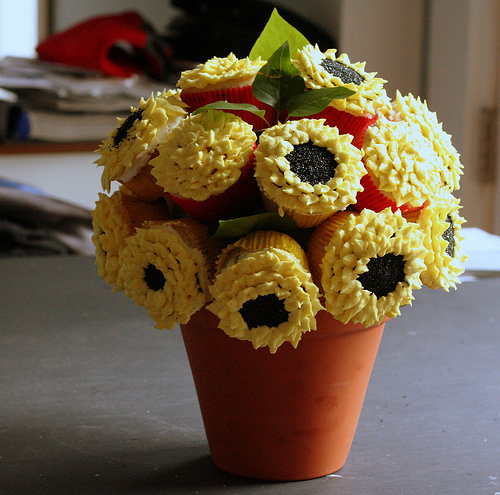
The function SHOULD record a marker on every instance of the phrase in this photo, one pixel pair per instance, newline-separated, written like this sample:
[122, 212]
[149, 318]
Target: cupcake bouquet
[271, 188]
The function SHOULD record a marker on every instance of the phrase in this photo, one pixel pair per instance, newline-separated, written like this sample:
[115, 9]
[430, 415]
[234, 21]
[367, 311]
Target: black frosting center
[344, 73]
[449, 237]
[312, 164]
[264, 310]
[383, 275]
[126, 125]
[154, 278]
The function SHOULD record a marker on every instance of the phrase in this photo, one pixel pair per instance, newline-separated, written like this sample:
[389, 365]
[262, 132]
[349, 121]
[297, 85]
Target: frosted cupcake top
[164, 271]
[326, 70]
[128, 147]
[219, 73]
[402, 162]
[264, 295]
[306, 166]
[371, 264]
[441, 223]
[203, 155]
[415, 110]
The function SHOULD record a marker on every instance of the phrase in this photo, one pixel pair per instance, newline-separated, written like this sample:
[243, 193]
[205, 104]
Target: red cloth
[98, 42]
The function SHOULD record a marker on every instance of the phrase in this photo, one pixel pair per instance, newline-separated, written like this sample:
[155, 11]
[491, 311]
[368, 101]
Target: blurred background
[446, 51]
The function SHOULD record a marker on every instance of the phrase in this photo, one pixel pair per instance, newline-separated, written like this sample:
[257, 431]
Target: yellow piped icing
[361, 237]
[442, 270]
[286, 189]
[370, 96]
[220, 73]
[203, 155]
[184, 267]
[402, 162]
[110, 230]
[248, 274]
[415, 110]
[127, 148]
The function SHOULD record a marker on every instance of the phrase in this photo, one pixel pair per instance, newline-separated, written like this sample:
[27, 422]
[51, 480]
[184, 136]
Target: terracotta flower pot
[291, 415]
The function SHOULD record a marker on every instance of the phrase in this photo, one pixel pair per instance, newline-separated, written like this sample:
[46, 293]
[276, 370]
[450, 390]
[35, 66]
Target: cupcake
[129, 147]
[411, 109]
[166, 267]
[307, 170]
[403, 169]
[352, 115]
[441, 223]
[206, 166]
[368, 264]
[114, 219]
[263, 291]
[225, 79]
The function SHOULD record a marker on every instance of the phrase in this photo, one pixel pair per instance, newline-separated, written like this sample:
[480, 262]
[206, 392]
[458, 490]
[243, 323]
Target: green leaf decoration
[315, 100]
[227, 105]
[238, 227]
[274, 34]
[278, 80]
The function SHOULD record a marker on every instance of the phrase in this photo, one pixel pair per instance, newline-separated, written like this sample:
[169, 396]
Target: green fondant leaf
[315, 100]
[274, 34]
[238, 227]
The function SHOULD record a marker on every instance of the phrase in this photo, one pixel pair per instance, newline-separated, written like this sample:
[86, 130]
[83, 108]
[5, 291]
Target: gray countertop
[95, 400]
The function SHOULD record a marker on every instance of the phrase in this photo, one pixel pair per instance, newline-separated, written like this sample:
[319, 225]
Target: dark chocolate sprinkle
[344, 73]
[312, 164]
[383, 275]
[127, 124]
[264, 310]
[154, 278]
[449, 236]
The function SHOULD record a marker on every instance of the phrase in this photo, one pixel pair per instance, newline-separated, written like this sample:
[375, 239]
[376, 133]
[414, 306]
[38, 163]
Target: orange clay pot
[286, 416]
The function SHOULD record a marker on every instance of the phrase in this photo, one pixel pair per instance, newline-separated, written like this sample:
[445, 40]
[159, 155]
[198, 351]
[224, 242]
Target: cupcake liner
[241, 199]
[144, 185]
[320, 238]
[372, 198]
[355, 125]
[241, 94]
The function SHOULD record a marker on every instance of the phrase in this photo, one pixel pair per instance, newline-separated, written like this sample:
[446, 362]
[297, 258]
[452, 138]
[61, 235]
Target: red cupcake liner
[355, 125]
[241, 94]
[241, 199]
[374, 199]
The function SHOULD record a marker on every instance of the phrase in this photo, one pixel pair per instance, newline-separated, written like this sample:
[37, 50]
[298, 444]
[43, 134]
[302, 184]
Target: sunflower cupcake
[263, 291]
[411, 109]
[166, 267]
[441, 223]
[368, 264]
[129, 147]
[352, 115]
[114, 219]
[206, 166]
[403, 169]
[225, 79]
[307, 170]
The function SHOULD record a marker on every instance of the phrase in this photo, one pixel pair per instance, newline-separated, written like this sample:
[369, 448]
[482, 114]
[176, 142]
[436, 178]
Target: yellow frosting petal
[402, 162]
[370, 94]
[128, 147]
[203, 155]
[361, 238]
[286, 189]
[217, 73]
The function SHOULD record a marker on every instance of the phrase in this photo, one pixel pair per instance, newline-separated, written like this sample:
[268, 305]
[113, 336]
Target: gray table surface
[94, 399]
